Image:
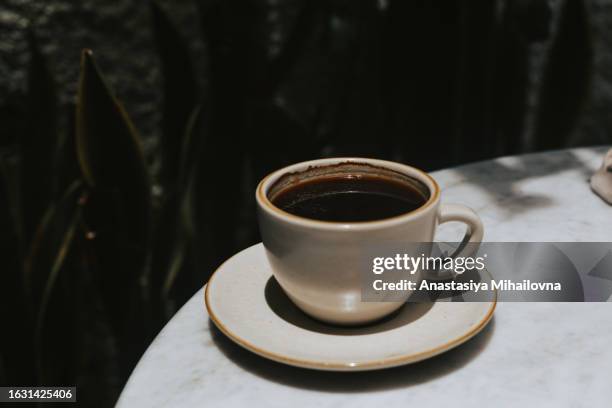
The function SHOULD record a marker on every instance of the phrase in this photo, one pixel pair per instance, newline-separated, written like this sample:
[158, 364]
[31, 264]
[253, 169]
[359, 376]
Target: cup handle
[475, 230]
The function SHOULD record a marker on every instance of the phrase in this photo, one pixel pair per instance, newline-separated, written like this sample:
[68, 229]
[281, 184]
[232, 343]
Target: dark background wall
[119, 32]
[97, 253]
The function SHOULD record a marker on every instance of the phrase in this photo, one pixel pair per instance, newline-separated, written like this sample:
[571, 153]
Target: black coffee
[349, 198]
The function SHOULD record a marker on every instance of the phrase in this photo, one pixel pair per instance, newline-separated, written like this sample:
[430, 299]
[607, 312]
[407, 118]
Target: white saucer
[248, 306]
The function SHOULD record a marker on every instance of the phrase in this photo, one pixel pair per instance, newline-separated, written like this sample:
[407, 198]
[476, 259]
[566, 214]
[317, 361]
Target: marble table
[531, 354]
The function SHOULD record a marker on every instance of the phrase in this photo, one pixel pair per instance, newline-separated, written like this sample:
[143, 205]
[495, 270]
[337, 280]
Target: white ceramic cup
[317, 263]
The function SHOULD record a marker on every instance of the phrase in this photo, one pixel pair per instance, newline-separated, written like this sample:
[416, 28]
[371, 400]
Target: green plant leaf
[38, 143]
[58, 326]
[118, 213]
[44, 268]
[110, 152]
[191, 148]
[67, 169]
[180, 92]
[174, 228]
[108, 145]
[44, 246]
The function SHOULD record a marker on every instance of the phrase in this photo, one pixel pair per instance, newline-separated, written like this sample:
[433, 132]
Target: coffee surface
[349, 198]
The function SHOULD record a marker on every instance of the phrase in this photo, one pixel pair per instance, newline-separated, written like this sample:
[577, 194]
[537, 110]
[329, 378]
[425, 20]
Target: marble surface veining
[531, 354]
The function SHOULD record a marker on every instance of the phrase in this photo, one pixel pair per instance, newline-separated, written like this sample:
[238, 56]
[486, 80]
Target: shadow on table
[500, 178]
[367, 381]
